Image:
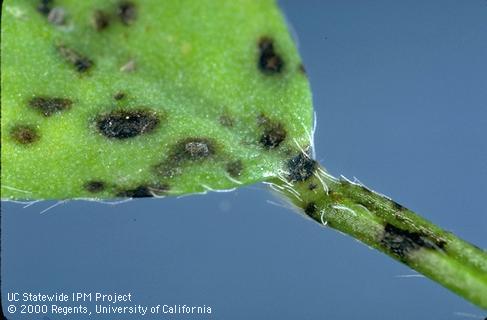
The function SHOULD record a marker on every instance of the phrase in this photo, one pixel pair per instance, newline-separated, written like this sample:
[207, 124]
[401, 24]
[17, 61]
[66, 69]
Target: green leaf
[104, 99]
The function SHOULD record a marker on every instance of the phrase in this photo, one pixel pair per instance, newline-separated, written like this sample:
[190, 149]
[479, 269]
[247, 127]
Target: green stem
[391, 228]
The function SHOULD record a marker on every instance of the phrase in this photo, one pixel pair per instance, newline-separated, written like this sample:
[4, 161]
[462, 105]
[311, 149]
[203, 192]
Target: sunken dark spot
[269, 61]
[24, 134]
[193, 149]
[300, 167]
[273, 136]
[302, 69]
[80, 62]
[274, 133]
[402, 242]
[143, 191]
[226, 121]
[119, 96]
[48, 106]
[310, 209]
[127, 12]
[44, 7]
[124, 124]
[138, 192]
[94, 186]
[234, 168]
[188, 149]
[100, 20]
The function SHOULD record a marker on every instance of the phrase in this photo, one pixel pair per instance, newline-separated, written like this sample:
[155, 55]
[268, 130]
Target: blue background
[400, 90]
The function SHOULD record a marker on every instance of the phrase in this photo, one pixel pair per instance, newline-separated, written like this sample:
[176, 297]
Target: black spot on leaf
[138, 192]
[403, 242]
[310, 209]
[193, 149]
[127, 12]
[188, 149]
[100, 20]
[226, 121]
[273, 136]
[269, 61]
[143, 191]
[124, 124]
[24, 134]
[234, 168]
[48, 106]
[300, 167]
[302, 69]
[44, 7]
[80, 62]
[119, 96]
[274, 133]
[94, 186]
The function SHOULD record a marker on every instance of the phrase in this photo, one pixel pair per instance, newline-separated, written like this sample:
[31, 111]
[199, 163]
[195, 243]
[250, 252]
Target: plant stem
[391, 228]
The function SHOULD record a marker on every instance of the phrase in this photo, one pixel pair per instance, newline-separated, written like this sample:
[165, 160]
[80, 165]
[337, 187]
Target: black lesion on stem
[310, 209]
[301, 167]
[403, 242]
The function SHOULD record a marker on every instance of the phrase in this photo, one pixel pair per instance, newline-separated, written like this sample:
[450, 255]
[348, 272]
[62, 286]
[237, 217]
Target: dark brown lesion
[45, 6]
[80, 62]
[234, 168]
[273, 134]
[119, 95]
[143, 191]
[100, 20]
[269, 61]
[310, 209]
[404, 242]
[24, 134]
[191, 149]
[226, 121]
[94, 186]
[49, 106]
[300, 167]
[127, 12]
[125, 124]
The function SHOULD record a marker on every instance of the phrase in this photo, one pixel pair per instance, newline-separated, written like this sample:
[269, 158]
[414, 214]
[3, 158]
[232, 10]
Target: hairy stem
[391, 228]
